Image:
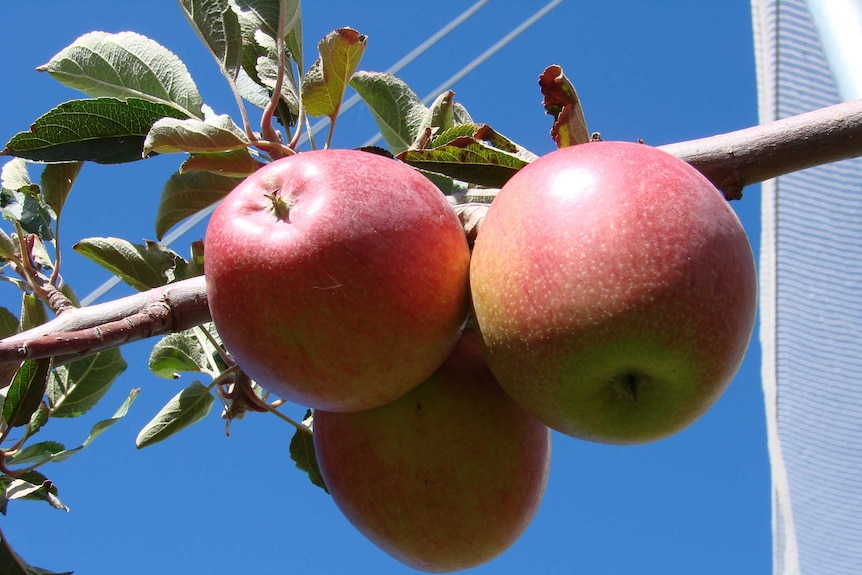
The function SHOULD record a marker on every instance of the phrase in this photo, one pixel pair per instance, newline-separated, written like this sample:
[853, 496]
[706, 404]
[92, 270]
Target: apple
[615, 290]
[337, 279]
[446, 477]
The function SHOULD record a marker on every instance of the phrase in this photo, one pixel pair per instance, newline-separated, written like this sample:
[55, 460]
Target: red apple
[445, 478]
[615, 289]
[337, 279]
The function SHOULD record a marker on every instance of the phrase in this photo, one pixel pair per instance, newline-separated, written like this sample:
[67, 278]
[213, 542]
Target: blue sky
[698, 502]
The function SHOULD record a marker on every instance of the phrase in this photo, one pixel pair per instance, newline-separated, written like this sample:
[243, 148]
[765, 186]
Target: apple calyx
[628, 384]
[279, 207]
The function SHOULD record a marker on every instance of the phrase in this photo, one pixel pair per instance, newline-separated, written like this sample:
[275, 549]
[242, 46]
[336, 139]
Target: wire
[476, 62]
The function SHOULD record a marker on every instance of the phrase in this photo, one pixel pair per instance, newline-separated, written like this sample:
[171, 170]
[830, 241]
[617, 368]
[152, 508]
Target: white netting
[811, 299]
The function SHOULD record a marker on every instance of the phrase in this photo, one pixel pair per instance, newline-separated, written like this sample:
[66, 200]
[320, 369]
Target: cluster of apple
[612, 285]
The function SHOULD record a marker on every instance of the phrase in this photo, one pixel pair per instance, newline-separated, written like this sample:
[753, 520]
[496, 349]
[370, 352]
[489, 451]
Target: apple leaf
[398, 111]
[12, 564]
[187, 351]
[262, 15]
[33, 312]
[73, 389]
[187, 193]
[26, 206]
[37, 453]
[561, 101]
[472, 153]
[101, 130]
[141, 266]
[217, 25]
[30, 485]
[25, 393]
[325, 82]
[126, 65]
[443, 115]
[8, 323]
[216, 134]
[186, 408]
[232, 164]
[99, 428]
[56, 182]
[302, 453]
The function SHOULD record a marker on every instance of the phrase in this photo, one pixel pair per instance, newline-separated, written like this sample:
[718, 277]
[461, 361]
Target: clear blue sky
[698, 502]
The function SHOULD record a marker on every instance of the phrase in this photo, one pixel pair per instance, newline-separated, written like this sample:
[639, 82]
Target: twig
[731, 161]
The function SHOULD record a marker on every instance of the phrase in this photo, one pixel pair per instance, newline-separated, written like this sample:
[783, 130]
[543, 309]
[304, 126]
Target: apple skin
[445, 478]
[347, 295]
[615, 290]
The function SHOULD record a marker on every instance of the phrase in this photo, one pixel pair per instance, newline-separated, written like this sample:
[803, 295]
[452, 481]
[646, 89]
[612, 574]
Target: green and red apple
[615, 289]
[445, 478]
[337, 279]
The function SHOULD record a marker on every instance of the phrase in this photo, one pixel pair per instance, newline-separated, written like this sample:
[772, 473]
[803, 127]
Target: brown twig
[731, 161]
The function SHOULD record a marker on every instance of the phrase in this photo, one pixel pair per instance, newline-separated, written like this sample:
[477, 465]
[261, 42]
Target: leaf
[126, 65]
[26, 391]
[561, 101]
[186, 408]
[302, 454]
[185, 194]
[101, 130]
[12, 564]
[471, 153]
[75, 388]
[7, 247]
[15, 175]
[217, 25]
[232, 164]
[324, 85]
[217, 134]
[33, 312]
[142, 266]
[183, 351]
[8, 323]
[37, 453]
[25, 206]
[56, 183]
[263, 15]
[30, 485]
[396, 108]
[99, 428]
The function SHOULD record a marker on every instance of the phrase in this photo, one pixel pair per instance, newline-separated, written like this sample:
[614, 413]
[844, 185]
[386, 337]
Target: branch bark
[731, 161]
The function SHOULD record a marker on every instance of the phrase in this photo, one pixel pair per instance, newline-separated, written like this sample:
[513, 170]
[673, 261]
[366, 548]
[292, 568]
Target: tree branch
[731, 161]
[737, 159]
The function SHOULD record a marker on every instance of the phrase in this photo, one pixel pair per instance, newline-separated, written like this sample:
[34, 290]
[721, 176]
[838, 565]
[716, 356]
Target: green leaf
[263, 15]
[232, 164]
[324, 85]
[56, 183]
[217, 25]
[101, 130]
[26, 207]
[8, 323]
[302, 453]
[100, 427]
[126, 65]
[33, 312]
[561, 101]
[185, 194]
[266, 72]
[396, 108]
[216, 134]
[185, 351]
[141, 266]
[471, 153]
[12, 564]
[75, 388]
[30, 485]
[25, 393]
[37, 453]
[444, 114]
[186, 408]
[39, 418]
[7, 247]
